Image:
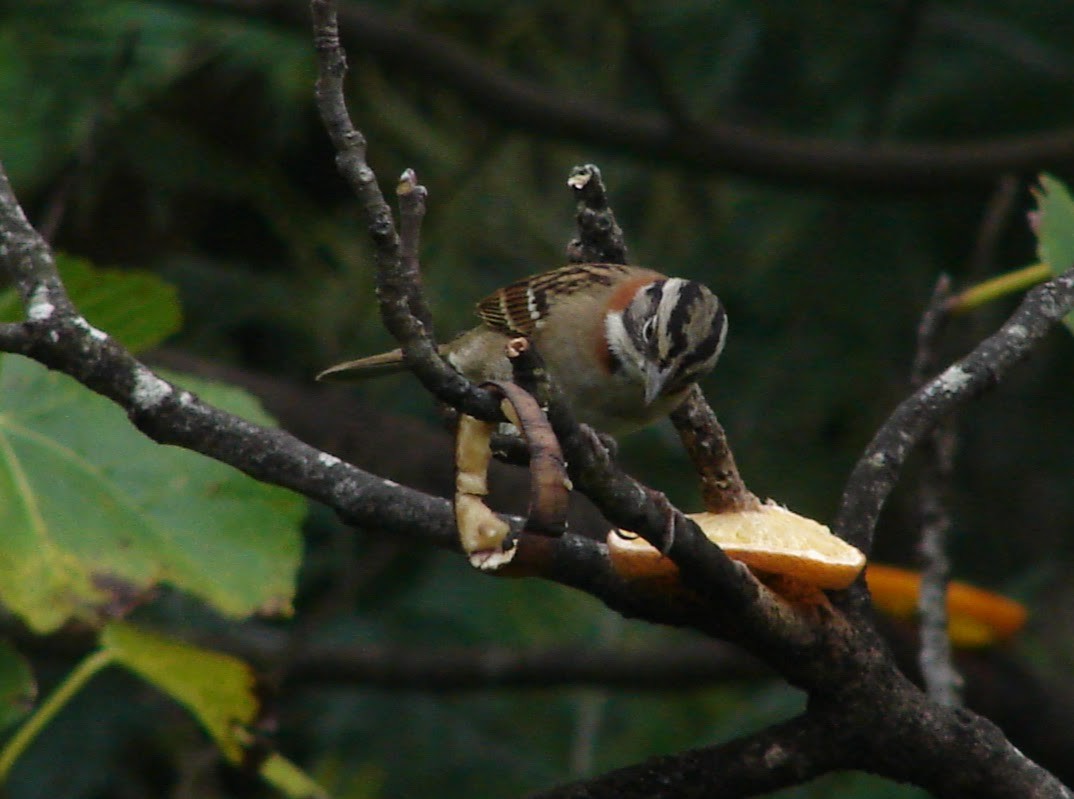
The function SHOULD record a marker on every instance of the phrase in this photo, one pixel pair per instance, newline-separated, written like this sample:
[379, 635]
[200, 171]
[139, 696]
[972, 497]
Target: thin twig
[601, 239]
[411, 213]
[995, 221]
[722, 488]
[402, 306]
[942, 681]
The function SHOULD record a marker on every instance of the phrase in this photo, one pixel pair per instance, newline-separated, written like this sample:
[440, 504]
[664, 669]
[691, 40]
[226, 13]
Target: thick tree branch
[709, 146]
[877, 470]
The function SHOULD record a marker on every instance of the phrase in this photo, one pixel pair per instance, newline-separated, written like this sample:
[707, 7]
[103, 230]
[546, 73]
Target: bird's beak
[655, 380]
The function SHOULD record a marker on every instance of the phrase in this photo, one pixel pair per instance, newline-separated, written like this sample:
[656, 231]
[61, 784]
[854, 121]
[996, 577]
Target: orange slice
[771, 540]
[975, 617]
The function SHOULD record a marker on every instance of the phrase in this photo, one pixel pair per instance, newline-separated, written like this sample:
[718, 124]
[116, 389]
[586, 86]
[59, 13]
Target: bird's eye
[647, 329]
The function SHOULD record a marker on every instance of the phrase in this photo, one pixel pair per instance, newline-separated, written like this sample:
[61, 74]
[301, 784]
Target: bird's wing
[522, 307]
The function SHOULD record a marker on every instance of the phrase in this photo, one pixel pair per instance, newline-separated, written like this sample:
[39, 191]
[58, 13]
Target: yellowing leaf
[95, 514]
[218, 689]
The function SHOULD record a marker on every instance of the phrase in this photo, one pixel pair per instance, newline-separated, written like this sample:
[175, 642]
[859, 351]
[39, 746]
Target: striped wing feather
[522, 307]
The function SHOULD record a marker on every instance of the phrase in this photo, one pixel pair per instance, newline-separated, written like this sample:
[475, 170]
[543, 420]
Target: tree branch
[877, 470]
[722, 488]
[776, 757]
[707, 146]
[620, 498]
[59, 337]
[489, 668]
[853, 682]
[863, 712]
[401, 305]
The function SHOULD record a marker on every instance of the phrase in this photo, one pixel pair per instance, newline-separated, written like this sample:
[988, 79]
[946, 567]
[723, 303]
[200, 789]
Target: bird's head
[669, 336]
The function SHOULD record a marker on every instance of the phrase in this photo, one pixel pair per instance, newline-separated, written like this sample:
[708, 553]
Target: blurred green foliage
[182, 139]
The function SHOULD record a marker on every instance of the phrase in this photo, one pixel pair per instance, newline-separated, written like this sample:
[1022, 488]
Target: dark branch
[877, 470]
[401, 305]
[709, 146]
[411, 212]
[490, 668]
[722, 488]
[999, 211]
[57, 336]
[623, 500]
[862, 714]
[785, 754]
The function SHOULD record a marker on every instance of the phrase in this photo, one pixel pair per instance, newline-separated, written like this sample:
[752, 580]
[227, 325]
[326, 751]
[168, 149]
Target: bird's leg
[600, 442]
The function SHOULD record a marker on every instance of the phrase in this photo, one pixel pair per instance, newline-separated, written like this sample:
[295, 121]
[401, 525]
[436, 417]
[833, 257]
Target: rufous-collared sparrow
[623, 343]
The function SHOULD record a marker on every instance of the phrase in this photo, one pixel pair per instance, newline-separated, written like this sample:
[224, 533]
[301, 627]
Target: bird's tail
[385, 363]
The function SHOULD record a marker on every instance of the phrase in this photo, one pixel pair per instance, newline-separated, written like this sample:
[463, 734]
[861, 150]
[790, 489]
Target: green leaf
[95, 514]
[1055, 229]
[217, 688]
[18, 690]
[136, 308]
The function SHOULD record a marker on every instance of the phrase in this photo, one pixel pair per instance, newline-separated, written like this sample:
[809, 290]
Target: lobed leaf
[95, 515]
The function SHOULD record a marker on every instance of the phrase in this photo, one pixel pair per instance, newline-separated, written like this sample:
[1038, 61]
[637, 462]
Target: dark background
[181, 137]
